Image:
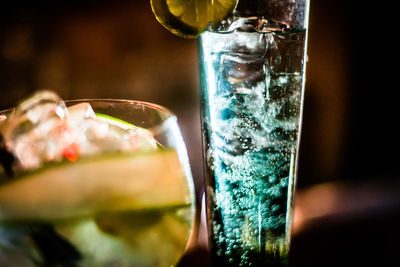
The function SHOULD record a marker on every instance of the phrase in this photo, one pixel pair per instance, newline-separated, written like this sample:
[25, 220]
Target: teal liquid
[252, 84]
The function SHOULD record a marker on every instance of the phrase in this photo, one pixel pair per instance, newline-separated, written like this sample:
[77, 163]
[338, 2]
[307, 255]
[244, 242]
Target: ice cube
[77, 113]
[103, 134]
[238, 68]
[43, 129]
[26, 130]
[111, 136]
[39, 108]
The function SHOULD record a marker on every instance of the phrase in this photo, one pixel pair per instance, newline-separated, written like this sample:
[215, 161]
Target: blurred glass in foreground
[93, 183]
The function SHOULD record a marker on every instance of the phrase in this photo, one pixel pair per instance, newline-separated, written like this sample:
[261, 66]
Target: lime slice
[144, 137]
[116, 122]
[138, 181]
[189, 18]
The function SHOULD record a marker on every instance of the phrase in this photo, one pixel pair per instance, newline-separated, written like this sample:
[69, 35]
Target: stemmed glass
[110, 207]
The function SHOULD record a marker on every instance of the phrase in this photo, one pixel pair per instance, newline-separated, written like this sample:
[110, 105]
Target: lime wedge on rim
[105, 183]
[189, 18]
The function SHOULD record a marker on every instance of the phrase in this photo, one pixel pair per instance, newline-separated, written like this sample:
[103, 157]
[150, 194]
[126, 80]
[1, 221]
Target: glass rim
[146, 104]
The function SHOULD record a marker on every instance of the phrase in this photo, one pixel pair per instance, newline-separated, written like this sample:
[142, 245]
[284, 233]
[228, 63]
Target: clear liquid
[252, 83]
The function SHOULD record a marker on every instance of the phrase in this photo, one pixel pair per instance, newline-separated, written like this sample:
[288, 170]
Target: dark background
[116, 49]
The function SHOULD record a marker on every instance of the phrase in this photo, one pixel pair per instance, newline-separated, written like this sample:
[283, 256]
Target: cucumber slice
[154, 238]
[118, 182]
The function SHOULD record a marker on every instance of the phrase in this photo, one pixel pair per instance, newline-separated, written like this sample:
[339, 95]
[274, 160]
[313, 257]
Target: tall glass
[252, 81]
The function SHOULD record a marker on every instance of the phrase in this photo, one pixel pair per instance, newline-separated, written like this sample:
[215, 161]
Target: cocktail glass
[252, 81]
[114, 208]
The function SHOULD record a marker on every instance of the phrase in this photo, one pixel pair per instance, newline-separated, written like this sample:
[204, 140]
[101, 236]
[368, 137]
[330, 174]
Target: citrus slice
[115, 121]
[189, 18]
[144, 138]
[138, 181]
